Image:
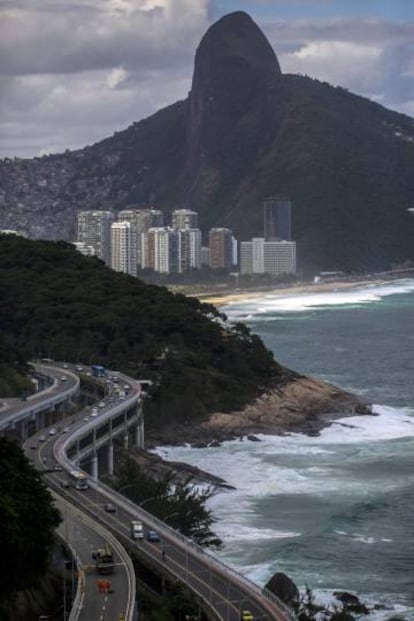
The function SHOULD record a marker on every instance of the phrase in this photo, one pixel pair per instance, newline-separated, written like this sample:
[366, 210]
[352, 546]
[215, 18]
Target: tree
[28, 519]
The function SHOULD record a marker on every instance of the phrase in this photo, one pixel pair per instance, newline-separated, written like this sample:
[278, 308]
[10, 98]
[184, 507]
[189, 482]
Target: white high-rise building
[189, 250]
[162, 249]
[129, 215]
[94, 229]
[184, 219]
[81, 247]
[267, 257]
[121, 247]
[280, 257]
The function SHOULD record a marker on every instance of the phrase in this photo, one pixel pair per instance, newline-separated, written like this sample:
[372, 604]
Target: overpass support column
[40, 421]
[94, 463]
[110, 458]
[125, 439]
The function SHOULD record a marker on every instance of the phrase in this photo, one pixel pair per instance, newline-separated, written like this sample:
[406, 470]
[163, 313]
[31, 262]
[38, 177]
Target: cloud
[74, 71]
[81, 69]
[367, 56]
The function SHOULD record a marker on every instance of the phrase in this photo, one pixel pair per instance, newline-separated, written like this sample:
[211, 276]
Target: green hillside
[55, 302]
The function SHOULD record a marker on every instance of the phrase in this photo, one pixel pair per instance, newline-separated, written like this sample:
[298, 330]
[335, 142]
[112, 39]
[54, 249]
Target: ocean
[334, 512]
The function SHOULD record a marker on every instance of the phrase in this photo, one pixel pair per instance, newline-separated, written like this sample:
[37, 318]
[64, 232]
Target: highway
[223, 591]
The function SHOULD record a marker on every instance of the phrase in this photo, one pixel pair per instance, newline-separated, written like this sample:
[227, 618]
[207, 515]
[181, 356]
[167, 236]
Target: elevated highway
[219, 589]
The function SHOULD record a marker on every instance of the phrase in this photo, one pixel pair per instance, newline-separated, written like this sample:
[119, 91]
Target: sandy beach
[228, 297]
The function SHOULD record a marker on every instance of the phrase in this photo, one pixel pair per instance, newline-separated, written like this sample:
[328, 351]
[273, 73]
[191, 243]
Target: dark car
[152, 535]
[110, 508]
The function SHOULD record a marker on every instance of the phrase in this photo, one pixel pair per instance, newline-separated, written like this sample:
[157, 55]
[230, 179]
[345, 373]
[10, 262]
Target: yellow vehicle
[247, 616]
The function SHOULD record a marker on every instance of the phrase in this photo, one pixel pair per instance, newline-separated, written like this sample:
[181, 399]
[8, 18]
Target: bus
[98, 370]
[79, 479]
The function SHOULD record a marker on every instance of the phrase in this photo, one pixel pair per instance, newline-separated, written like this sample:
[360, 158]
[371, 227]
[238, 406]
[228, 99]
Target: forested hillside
[55, 302]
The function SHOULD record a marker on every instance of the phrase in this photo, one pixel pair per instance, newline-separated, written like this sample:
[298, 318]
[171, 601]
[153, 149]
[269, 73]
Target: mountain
[245, 132]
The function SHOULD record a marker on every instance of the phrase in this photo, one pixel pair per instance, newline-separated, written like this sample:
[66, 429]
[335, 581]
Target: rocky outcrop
[234, 68]
[284, 588]
[300, 404]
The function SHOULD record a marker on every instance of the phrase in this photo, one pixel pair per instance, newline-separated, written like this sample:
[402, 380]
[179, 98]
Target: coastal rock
[284, 588]
[253, 438]
[301, 404]
[351, 602]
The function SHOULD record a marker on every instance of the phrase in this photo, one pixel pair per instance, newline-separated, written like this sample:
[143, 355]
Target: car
[65, 484]
[66, 366]
[246, 616]
[110, 508]
[63, 379]
[126, 387]
[33, 446]
[93, 414]
[85, 418]
[58, 468]
[42, 438]
[65, 429]
[152, 535]
[101, 404]
[79, 367]
[52, 431]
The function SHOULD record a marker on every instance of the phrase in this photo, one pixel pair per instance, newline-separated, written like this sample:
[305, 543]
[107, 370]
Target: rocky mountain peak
[234, 67]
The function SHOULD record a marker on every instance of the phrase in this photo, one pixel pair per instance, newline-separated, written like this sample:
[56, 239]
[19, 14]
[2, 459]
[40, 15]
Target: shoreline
[230, 297]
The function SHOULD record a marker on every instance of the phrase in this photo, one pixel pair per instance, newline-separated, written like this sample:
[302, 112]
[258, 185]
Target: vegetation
[57, 303]
[27, 519]
[181, 506]
[13, 372]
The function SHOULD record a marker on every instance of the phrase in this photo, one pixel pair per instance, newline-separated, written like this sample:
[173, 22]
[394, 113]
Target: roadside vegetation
[28, 520]
[180, 505]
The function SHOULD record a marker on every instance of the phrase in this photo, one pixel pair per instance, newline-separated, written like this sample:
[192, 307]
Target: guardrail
[44, 403]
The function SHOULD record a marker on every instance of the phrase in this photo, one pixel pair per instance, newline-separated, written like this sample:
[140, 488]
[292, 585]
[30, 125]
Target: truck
[137, 529]
[104, 560]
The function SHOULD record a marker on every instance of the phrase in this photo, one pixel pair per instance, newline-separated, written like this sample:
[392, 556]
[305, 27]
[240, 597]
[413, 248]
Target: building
[246, 257]
[261, 257]
[184, 219]
[161, 246]
[129, 215]
[205, 255]
[189, 249]
[145, 219]
[277, 219]
[121, 247]
[94, 229]
[221, 248]
[81, 247]
[280, 258]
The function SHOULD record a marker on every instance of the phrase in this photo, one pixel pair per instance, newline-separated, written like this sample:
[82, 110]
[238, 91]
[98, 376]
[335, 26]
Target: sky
[73, 72]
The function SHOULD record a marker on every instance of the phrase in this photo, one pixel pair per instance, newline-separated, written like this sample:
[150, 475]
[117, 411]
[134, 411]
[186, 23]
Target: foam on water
[267, 304]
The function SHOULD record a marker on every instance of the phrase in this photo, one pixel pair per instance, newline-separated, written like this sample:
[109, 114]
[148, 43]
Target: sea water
[334, 512]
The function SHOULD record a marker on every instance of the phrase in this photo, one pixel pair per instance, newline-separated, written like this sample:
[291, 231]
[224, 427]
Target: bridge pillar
[126, 440]
[40, 421]
[94, 463]
[110, 459]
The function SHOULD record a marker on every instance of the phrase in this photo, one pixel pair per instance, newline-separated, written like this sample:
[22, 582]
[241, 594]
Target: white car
[63, 379]
[94, 414]
[52, 432]
[42, 438]
[79, 367]
[101, 404]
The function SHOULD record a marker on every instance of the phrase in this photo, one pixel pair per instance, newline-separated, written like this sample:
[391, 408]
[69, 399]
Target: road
[225, 591]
